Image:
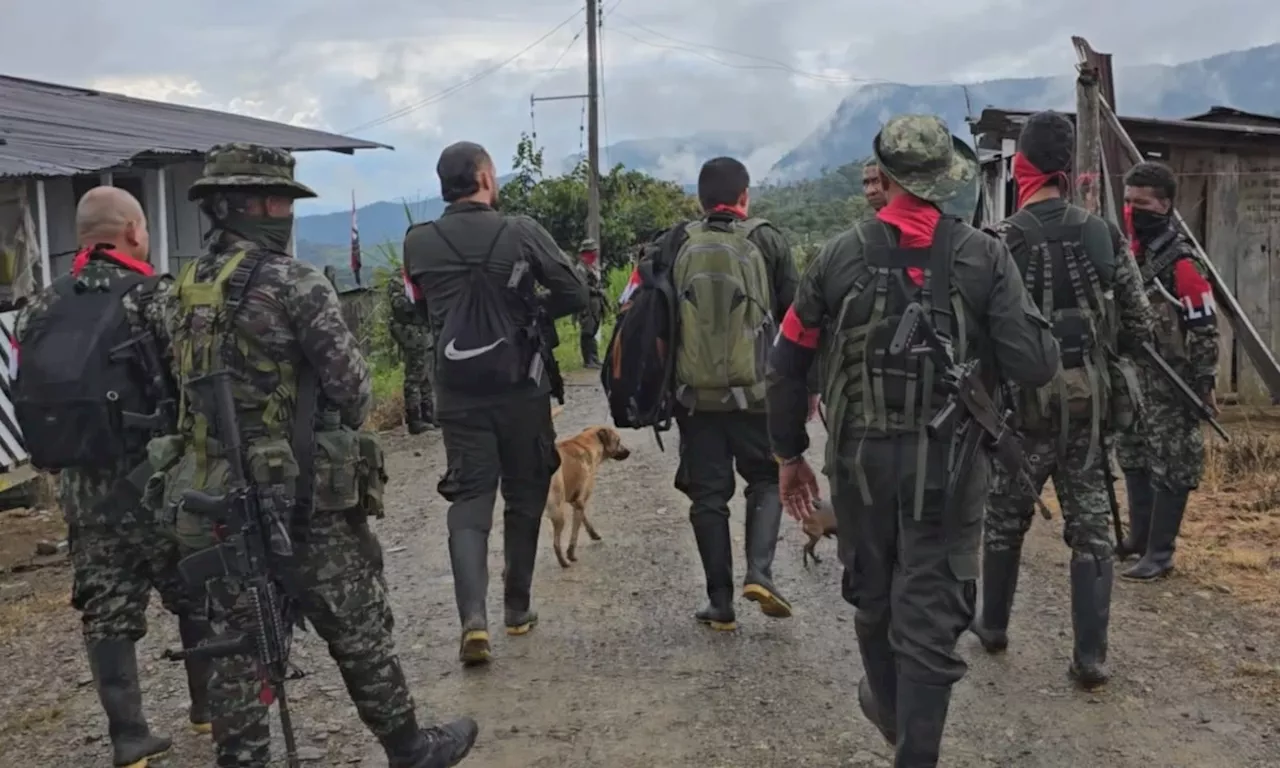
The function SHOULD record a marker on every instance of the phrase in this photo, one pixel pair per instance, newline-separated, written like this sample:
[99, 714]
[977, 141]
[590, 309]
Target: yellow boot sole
[146, 761]
[770, 604]
[202, 729]
[475, 648]
[522, 629]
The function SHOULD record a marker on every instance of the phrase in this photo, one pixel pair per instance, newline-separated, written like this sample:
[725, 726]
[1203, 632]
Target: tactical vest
[1083, 316]
[1161, 255]
[868, 389]
[207, 340]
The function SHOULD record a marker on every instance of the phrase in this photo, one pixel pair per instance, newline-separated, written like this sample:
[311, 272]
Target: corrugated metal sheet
[57, 130]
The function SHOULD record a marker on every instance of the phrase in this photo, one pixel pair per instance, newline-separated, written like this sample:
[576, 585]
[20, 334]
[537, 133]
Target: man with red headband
[589, 319]
[908, 499]
[1077, 269]
[1163, 458]
[118, 552]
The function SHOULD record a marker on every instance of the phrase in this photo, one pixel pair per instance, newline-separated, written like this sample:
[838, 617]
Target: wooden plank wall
[1255, 178]
[1225, 245]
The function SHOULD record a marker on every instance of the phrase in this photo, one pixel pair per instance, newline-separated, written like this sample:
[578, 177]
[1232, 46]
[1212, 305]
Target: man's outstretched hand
[798, 487]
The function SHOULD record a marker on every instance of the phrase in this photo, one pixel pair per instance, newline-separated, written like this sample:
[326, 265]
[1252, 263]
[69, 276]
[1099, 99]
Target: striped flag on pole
[632, 285]
[356, 264]
[410, 289]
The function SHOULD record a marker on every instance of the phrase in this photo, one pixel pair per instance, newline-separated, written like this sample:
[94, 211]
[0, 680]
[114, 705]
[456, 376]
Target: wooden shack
[1228, 168]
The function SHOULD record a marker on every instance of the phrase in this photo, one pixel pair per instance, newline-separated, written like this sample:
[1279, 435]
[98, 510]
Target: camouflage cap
[587, 245]
[919, 152]
[248, 165]
[964, 205]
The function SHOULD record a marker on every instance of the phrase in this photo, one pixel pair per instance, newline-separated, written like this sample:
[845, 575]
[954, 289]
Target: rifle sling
[303, 441]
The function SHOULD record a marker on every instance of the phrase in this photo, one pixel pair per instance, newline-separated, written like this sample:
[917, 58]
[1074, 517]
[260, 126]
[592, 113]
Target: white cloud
[670, 67]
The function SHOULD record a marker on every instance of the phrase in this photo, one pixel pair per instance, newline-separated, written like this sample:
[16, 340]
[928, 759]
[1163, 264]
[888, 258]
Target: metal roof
[1216, 114]
[59, 130]
[995, 124]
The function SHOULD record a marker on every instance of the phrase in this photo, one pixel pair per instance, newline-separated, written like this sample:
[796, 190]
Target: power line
[699, 49]
[399, 113]
[604, 103]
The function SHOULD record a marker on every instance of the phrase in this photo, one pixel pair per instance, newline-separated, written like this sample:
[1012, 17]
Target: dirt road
[619, 675]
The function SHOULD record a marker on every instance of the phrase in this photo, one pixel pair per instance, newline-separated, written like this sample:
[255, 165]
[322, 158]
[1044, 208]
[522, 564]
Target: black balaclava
[227, 212]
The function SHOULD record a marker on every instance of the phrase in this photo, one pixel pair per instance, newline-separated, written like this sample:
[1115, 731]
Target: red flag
[356, 264]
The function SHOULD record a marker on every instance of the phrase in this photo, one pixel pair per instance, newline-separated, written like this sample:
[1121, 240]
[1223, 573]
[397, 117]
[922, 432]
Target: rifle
[143, 352]
[1185, 392]
[542, 335]
[965, 391]
[254, 544]
[1111, 496]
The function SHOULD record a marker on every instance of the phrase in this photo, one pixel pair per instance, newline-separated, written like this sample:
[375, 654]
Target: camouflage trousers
[116, 560]
[344, 597]
[419, 366]
[1082, 496]
[1167, 442]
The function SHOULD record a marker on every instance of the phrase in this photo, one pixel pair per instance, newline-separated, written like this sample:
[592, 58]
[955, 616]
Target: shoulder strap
[493, 246]
[940, 260]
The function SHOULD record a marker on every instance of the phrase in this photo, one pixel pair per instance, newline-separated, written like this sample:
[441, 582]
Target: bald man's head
[112, 216]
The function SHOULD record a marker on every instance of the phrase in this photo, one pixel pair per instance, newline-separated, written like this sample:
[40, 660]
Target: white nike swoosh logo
[453, 353]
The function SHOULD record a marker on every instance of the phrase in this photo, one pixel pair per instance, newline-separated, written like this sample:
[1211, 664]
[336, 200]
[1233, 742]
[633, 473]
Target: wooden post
[42, 217]
[1088, 165]
[593, 120]
[162, 219]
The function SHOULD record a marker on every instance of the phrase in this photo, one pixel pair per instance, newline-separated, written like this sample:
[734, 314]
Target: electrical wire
[440, 96]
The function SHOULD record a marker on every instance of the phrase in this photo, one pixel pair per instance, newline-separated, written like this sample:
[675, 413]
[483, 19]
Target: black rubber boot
[588, 347]
[1091, 581]
[193, 631]
[440, 746]
[764, 518]
[1138, 488]
[999, 584]
[114, 664]
[427, 412]
[413, 419]
[520, 545]
[922, 717]
[878, 689]
[1166, 521]
[469, 556]
[715, 547]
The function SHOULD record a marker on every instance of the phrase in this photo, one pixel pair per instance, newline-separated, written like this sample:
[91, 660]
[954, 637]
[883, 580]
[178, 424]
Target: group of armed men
[915, 331]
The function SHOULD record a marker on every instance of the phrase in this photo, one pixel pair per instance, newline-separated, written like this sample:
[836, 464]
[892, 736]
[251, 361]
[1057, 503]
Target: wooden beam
[162, 218]
[1088, 160]
[42, 218]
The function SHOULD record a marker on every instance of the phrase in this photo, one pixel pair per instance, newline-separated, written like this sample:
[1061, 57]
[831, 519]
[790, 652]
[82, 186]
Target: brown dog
[573, 484]
[820, 525]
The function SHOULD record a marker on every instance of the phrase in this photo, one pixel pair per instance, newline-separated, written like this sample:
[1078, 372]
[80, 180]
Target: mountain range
[1246, 80]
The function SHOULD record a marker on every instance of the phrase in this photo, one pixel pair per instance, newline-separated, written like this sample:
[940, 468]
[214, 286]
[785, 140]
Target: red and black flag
[356, 264]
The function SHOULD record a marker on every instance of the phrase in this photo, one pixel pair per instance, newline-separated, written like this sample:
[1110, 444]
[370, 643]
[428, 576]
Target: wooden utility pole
[593, 120]
[1088, 166]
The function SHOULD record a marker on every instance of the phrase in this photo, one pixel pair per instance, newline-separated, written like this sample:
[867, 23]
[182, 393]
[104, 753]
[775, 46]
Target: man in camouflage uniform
[412, 335]
[273, 320]
[909, 522]
[1072, 263]
[1163, 456]
[589, 319]
[119, 554]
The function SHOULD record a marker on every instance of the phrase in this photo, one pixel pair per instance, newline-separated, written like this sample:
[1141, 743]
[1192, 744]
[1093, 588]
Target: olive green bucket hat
[964, 205]
[921, 155]
[248, 165]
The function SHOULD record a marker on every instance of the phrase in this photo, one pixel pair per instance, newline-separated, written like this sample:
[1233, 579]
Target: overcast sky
[344, 65]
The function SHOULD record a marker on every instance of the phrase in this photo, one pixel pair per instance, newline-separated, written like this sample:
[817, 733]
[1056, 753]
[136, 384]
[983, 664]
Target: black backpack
[638, 370]
[74, 384]
[483, 349]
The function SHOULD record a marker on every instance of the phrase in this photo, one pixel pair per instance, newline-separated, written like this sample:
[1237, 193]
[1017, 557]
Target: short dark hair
[1153, 174]
[459, 165]
[1048, 141]
[721, 182]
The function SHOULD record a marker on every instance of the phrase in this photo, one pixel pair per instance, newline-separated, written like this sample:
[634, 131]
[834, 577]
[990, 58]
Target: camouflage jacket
[403, 312]
[79, 488]
[290, 314]
[1186, 326]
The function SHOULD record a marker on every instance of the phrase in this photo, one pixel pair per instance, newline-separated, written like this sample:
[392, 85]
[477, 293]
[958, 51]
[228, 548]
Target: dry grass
[1231, 536]
[387, 413]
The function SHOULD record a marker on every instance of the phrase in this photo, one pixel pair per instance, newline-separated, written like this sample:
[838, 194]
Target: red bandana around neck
[736, 210]
[589, 258]
[108, 252]
[1031, 179]
[916, 220]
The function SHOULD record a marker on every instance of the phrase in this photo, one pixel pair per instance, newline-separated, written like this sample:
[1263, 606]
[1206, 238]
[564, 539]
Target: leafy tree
[812, 211]
[633, 205]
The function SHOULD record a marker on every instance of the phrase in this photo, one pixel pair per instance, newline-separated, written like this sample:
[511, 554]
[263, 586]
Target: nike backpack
[75, 379]
[483, 348]
[725, 316]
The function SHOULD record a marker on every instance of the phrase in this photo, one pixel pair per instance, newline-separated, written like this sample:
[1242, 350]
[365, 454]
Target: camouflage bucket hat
[964, 205]
[919, 152]
[248, 165]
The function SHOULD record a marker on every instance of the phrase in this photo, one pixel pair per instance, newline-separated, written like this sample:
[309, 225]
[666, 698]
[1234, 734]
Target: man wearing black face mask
[1163, 457]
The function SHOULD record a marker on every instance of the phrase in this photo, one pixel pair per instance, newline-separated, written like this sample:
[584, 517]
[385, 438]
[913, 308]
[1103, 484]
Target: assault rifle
[254, 545]
[542, 335]
[144, 353]
[967, 397]
[1186, 394]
